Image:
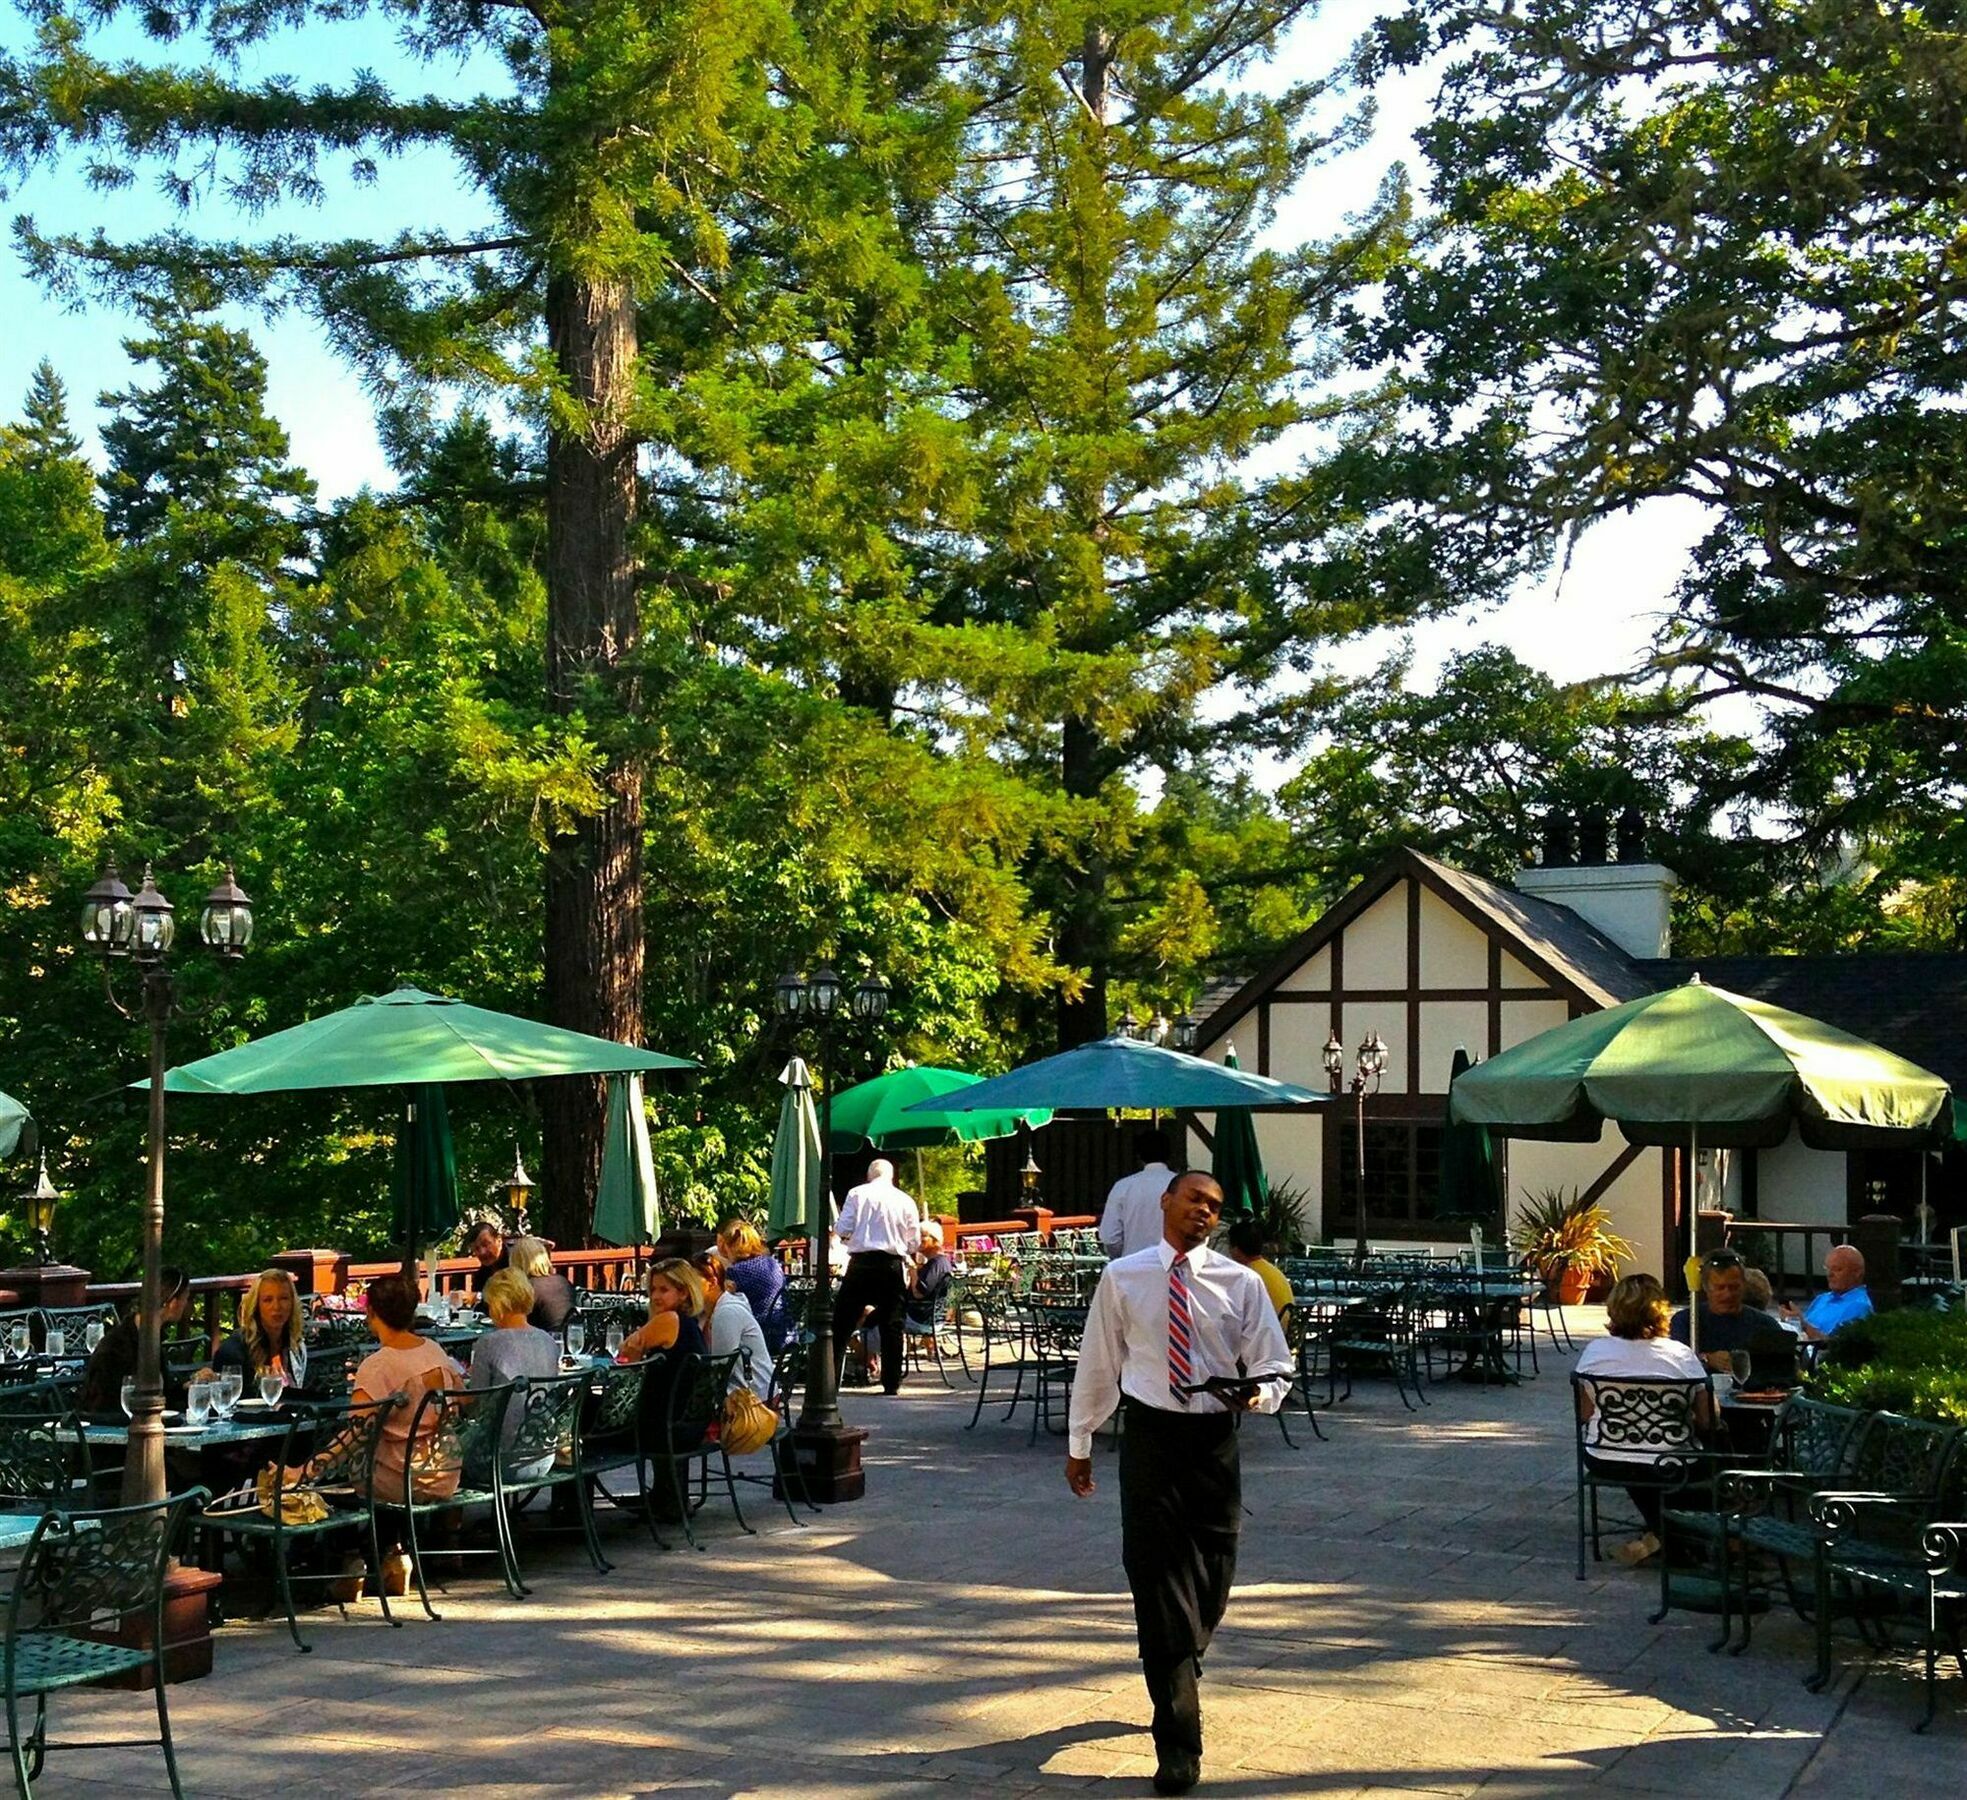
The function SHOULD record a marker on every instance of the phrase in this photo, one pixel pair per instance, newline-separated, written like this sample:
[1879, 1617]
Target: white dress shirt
[1132, 1220]
[1125, 1347]
[877, 1215]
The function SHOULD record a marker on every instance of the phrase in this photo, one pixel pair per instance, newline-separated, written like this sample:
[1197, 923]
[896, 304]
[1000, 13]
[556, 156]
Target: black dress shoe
[1177, 1774]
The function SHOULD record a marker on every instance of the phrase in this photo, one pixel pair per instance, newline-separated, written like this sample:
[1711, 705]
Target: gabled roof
[1553, 940]
[1910, 1002]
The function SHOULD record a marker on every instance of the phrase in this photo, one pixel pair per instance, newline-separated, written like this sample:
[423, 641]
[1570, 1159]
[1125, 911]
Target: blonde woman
[554, 1299]
[670, 1341]
[754, 1271]
[269, 1331]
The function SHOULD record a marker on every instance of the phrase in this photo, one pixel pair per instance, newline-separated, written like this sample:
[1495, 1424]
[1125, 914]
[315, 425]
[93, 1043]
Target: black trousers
[873, 1278]
[1181, 1506]
[1648, 1497]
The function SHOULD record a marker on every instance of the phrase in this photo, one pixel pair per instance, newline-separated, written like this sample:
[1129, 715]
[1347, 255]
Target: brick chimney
[1629, 900]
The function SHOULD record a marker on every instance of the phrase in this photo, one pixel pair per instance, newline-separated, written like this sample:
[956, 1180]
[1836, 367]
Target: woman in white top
[1637, 1317]
[732, 1327]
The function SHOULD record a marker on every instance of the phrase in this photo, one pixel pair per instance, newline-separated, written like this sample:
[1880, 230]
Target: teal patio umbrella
[13, 1120]
[625, 1208]
[1121, 1073]
[1469, 1184]
[1239, 1163]
[877, 1113]
[797, 1162]
[424, 1181]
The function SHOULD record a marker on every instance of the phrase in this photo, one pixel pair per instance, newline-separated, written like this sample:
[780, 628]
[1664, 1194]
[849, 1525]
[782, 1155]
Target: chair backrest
[454, 1433]
[83, 1570]
[342, 1437]
[696, 1400]
[334, 1331]
[41, 1465]
[613, 1411]
[48, 1399]
[73, 1323]
[331, 1369]
[1812, 1437]
[1653, 1414]
[1058, 1326]
[1897, 1455]
[542, 1415]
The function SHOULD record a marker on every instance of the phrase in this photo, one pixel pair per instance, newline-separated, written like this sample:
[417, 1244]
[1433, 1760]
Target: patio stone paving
[1406, 1623]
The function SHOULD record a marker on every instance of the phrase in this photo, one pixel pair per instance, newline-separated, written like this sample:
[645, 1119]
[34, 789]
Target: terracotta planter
[1567, 1286]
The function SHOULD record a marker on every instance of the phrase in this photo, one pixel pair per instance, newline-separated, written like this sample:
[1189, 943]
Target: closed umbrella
[877, 1113]
[1239, 1163]
[1698, 1065]
[1470, 1188]
[424, 1185]
[13, 1120]
[797, 1162]
[625, 1207]
[1120, 1073]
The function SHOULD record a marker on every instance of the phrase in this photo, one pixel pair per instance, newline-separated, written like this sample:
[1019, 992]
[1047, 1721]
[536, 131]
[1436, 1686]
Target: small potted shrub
[1569, 1241]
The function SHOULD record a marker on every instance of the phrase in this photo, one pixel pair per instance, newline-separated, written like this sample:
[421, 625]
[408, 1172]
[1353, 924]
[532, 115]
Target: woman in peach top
[402, 1363]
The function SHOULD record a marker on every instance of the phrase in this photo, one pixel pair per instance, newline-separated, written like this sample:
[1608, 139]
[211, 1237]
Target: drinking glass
[226, 1391]
[576, 1337]
[17, 1338]
[198, 1403]
[92, 1334]
[57, 1341]
[615, 1336]
[272, 1384]
[129, 1396]
[1738, 1363]
[297, 1364]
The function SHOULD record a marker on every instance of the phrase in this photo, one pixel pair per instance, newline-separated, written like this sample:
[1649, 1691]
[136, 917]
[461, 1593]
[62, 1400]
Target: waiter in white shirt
[881, 1227]
[1163, 1322]
[1131, 1219]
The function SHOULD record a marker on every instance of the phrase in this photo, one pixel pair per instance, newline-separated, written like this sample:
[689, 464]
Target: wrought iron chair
[1655, 1420]
[88, 1583]
[1057, 1327]
[1008, 1346]
[920, 1339]
[331, 1369]
[1378, 1331]
[538, 1450]
[44, 1462]
[688, 1436]
[335, 1496]
[453, 1441]
[610, 1437]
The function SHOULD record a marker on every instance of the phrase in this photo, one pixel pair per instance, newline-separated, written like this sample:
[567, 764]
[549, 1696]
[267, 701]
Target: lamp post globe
[789, 994]
[871, 998]
[155, 924]
[226, 921]
[1187, 1029]
[1334, 1061]
[106, 916]
[825, 991]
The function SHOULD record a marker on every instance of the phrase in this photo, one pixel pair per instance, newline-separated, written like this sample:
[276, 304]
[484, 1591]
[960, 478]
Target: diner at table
[114, 1360]
[269, 1340]
[554, 1299]
[1727, 1323]
[756, 1273]
[405, 1364]
[731, 1328]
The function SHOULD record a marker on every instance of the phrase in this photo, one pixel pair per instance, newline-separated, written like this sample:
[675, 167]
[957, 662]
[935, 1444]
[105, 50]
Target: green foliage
[1557, 1229]
[1910, 1361]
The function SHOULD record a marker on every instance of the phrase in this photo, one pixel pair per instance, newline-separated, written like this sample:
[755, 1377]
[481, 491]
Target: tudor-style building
[1431, 958]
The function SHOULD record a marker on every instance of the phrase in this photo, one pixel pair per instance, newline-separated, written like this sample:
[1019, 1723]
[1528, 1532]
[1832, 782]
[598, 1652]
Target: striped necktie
[1180, 1331]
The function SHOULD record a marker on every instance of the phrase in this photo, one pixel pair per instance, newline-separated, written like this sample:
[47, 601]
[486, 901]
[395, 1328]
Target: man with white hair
[1848, 1298]
[882, 1228]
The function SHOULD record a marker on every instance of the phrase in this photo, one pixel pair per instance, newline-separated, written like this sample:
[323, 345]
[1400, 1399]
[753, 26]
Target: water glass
[17, 1338]
[297, 1363]
[1739, 1366]
[92, 1334]
[615, 1336]
[57, 1341]
[198, 1403]
[226, 1391]
[272, 1385]
[129, 1396]
[576, 1337]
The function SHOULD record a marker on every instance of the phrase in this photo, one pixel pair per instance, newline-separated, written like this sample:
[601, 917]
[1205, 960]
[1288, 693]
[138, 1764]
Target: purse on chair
[749, 1424]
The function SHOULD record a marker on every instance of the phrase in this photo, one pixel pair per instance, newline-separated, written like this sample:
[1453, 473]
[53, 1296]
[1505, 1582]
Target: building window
[1403, 1174]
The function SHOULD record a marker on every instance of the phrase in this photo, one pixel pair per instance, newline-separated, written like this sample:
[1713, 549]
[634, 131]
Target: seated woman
[513, 1348]
[402, 1363]
[668, 1342]
[553, 1294]
[269, 1331]
[732, 1327]
[1637, 1316]
[755, 1273]
[114, 1360]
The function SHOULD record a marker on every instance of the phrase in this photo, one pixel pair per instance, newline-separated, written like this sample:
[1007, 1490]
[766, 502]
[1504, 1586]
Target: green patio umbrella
[424, 1184]
[406, 1038]
[876, 1113]
[1239, 1164]
[1118, 1073]
[1697, 1065]
[797, 1164]
[625, 1210]
[13, 1120]
[1470, 1188]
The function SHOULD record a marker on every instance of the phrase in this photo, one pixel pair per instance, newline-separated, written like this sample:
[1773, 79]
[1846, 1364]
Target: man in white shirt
[881, 1227]
[1131, 1219]
[1164, 1321]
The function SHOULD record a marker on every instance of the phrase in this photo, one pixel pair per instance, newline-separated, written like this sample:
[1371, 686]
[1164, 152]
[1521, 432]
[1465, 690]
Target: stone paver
[1406, 1623]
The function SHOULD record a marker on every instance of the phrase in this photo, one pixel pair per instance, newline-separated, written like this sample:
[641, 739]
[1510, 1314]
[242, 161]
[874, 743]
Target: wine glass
[92, 1335]
[1739, 1365]
[576, 1337]
[615, 1337]
[129, 1396]
[198, 1403]
[226, 1390]
[272, 1385]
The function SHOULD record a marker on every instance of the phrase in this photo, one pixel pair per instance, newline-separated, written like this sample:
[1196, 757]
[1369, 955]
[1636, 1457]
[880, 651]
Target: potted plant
[1569, 1241]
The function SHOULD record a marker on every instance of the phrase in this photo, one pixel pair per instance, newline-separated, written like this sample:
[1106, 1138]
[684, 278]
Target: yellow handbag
[749, 1424]
[298, 1506]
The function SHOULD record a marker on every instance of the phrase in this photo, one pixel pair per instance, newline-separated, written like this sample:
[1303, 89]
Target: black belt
[887, 1255]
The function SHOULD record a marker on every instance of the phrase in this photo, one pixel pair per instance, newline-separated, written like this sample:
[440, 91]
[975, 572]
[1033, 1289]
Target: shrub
[1911, 1361]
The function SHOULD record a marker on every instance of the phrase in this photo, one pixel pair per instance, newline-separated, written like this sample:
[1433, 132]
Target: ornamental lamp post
[516, 1190]
[1187, 1029]
[40, 1201]
[828, 1449]
[118, 927]
[1369, 1064]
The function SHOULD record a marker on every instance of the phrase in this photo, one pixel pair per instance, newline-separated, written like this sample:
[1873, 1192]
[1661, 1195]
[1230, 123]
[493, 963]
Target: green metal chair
[687, 1437]
[342, 1440]
[83, 1578]
[538, 1449]
[44, 1462]
[610, 1438]
[454, 1435]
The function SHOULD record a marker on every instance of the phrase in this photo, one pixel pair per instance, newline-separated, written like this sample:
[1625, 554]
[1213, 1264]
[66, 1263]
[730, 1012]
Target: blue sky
[1594, 617]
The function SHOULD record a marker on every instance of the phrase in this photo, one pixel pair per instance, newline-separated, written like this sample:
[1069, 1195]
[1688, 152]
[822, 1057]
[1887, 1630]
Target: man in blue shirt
[1847, 1299]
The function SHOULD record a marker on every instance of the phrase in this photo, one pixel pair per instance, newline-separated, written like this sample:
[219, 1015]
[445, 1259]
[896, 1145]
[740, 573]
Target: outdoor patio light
[40, 1201]
[871, 998]
[1028, 1177]
[226, 924]
[1372, 1055]
[516, 1187]
[1187, 1029]
[156, 925]
[1129, 1026]
[1335, 1061]
[824, 991]
[1158, 1029]
[106, 916]
[789, 993]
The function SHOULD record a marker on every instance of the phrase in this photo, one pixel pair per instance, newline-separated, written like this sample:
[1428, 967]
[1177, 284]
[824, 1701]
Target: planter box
[187, 1631]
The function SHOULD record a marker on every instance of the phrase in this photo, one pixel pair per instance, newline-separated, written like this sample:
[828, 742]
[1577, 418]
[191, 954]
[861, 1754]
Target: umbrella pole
[1694, 1237]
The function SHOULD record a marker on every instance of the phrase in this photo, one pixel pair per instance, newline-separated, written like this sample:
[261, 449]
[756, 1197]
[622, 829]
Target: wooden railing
[214, 1303]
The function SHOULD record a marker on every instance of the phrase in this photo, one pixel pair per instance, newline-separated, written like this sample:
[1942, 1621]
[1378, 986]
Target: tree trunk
[593, 873]
[1082, 922]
